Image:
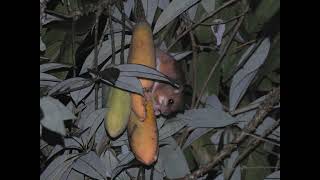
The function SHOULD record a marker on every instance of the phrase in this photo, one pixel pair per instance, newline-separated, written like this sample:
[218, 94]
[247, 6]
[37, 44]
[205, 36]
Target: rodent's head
[167, 99]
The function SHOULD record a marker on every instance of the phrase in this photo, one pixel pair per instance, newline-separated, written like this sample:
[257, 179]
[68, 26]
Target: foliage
[230, 51]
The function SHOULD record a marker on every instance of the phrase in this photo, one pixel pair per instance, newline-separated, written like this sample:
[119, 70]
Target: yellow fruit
[138, 106]
[143, 136]
[142, 49]
[118, 111]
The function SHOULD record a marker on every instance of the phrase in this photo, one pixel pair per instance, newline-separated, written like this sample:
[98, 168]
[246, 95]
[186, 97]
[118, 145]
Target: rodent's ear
[187, 89]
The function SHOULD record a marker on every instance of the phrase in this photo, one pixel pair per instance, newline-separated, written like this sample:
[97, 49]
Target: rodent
[166, 98]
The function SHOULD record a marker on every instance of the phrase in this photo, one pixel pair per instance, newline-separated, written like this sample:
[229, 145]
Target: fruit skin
[142, 51]
[118, 112]
[143, 136]
[138, 103]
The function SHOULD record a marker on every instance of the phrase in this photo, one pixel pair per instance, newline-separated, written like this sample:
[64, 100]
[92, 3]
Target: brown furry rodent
[166, 98]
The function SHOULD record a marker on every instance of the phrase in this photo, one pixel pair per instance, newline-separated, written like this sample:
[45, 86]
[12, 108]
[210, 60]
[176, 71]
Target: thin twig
[224, 51]
[120, 22]
[202, 20]
[103, 34]
[263, 139]
[113, 61]
[224, 22]
[129, 22]
[238, 48]
[258, 167]
[141, 173]
[122, 33]
[73, 46]
[194, 67]
[95, 61]
[207, 47]
[97, 50]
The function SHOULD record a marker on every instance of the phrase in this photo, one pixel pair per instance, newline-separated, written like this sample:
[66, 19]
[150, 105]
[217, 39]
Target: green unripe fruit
[117, 116]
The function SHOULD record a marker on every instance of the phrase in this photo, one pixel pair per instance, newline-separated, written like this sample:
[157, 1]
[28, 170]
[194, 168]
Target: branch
[252, 146]
[272, 98]
[224, 22]
[95, 61]
[120, 22]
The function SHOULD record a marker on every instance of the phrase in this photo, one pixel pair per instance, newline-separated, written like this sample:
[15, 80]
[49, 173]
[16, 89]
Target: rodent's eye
[171, 101]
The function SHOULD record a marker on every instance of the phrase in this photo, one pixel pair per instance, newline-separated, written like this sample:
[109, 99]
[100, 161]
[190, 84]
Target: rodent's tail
[139, 11]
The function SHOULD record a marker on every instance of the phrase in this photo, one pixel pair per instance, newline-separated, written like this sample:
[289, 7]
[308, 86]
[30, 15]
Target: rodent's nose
[157, 112]
[161, 100]
[156, 109]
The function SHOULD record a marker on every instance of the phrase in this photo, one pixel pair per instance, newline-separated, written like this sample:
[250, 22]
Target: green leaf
[150, 7]
[229, 162]
[110, 160]
[206, 117]
[93, 121]
[208, 5]
[196, 134]
[131, 84]
[265, 85]
[272, 62]
[54, 114]
[78, 96]
[71, 174]
[53, 40]
[214, 102]
[173, 160]
[48, 77]
[105, 52]
[55, 150]
[51, 66]
[243, 77]
[174, 9]
[124, 160]
[42, 45]
[171, 127]
[203, 150]
[261, 14]
[57, 167]
[163, 4]
[128, 5]
[142, 71]
[192, 11]
[91, 165]
[68, 84]
[274, 175]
